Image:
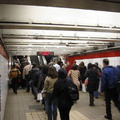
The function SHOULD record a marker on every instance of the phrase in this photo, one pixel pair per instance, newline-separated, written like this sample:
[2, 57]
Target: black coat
[41, 82]
[93, 79]
[82, 73]
[61, 92]
[32, 74]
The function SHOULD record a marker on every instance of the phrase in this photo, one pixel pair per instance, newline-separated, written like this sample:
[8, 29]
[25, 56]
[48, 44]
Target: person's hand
[102, 93]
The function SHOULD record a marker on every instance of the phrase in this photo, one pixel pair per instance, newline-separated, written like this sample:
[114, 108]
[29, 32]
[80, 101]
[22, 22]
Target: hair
[45, 69]
[74, 67]
[40, 67]
[96, 63]
[62, 73]
[118, 66]
[93, 65]
[34, 65]
[52, 72]
[74, 62]
[106, 61]
[90, 65]
[55, 60]
[81, 64]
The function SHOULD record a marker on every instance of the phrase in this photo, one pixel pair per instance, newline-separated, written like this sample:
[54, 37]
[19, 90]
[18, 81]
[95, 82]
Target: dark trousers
[64, 112]
[23, 82]
[111, 94]
[91, 98]
[27, 83]
[14, 84]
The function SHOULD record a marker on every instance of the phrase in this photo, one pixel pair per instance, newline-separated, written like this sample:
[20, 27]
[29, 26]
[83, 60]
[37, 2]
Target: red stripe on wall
[3, 53]
[104, 54]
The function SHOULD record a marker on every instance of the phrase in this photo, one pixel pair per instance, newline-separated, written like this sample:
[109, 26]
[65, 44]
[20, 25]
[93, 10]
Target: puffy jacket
[107, 78]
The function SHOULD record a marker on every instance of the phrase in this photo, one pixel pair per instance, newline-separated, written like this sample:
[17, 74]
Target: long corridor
[23, 107]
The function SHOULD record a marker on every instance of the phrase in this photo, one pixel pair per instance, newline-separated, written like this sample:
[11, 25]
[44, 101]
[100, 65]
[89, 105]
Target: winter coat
[107, 79]
[37, 76]
[49, 84]
[32, 74]
[93, 79]
[61, 92]
[82, 73]
[41, 82]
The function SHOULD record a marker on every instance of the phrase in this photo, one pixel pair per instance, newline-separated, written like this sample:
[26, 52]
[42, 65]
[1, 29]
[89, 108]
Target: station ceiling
[60, 26]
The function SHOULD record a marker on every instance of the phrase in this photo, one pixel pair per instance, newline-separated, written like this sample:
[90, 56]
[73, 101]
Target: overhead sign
[45, 53]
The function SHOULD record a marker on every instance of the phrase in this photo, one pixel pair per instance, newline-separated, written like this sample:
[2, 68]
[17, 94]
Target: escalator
[34, 59]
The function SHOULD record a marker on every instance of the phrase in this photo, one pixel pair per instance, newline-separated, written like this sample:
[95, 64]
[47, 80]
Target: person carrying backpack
[14, 76]
[60, 92]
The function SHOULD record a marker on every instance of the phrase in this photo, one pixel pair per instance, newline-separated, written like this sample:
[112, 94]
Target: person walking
[55, 64]
[108, 88]
[92, 75]
[26, 70]
[42, 77]
[75, 74]
[14, 76]
[96, 94]
[50, 101]
[82, 69]
[61, 92]
[32, 79]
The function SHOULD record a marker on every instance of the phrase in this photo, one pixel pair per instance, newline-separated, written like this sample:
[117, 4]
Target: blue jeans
[96, 93]
[51, 106]
[35, 91]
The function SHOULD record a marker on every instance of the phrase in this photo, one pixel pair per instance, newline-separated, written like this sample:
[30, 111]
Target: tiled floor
[23, 107]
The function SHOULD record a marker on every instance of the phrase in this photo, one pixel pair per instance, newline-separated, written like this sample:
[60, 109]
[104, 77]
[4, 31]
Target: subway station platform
[23, 107]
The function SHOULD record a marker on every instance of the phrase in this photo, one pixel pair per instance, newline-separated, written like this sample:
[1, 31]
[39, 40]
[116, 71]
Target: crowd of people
[52, 82]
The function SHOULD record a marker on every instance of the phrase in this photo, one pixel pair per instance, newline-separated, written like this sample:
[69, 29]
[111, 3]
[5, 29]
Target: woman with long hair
[75, 74]
[82, 69]
[50, 101]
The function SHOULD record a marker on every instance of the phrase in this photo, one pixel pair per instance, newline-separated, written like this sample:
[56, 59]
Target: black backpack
[72, 90]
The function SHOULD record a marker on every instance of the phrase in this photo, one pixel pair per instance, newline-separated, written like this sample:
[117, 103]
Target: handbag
[43, 93]
[86, 81]
[39, 96]
[83, 88]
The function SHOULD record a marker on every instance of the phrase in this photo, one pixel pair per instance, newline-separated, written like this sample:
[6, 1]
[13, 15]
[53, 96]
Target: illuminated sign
[45, 53]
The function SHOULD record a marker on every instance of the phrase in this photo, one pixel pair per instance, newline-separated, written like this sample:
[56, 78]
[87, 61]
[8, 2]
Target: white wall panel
[114, 61]
[3, 84]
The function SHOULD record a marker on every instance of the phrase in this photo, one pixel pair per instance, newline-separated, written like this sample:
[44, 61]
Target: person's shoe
[107, 117]
[96, 97]
[37, 100]
[27, 90]
[91, 104]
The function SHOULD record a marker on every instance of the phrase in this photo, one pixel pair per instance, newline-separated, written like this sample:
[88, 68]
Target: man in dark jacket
[108, 87]
[36, 81]
[32, 79]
